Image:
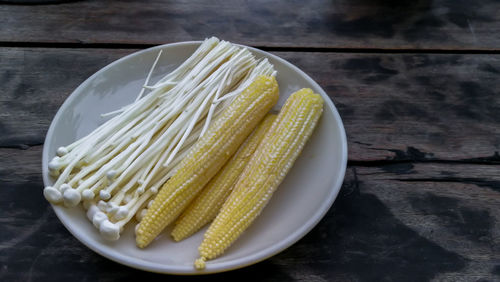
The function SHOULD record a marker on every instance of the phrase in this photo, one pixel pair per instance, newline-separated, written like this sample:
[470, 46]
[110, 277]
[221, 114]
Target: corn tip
[199, 263]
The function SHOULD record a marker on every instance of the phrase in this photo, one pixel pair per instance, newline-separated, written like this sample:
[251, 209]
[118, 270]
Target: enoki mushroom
[116, 169]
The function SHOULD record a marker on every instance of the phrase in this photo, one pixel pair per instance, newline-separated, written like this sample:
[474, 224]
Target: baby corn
[208, 155]
[208, 203]
[266, 169]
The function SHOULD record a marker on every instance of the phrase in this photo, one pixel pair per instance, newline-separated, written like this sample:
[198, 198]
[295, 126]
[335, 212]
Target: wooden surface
[416, 84]
[386, 24]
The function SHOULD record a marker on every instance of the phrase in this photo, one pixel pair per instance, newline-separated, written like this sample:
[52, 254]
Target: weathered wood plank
[412, 106]
[35, 84]
[394, 106]
[438, 24]
[399, 222]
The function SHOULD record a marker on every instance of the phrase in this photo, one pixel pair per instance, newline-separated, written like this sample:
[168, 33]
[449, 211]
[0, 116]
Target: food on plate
[116, 169]
[197, 147]
[266, 169]
[208, 155]
[204, 208]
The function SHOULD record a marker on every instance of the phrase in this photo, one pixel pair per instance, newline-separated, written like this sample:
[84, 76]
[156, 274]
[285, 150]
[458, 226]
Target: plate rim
[214, 267]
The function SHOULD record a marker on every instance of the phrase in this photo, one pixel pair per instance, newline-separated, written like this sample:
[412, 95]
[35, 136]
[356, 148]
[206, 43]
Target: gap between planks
[494, 160]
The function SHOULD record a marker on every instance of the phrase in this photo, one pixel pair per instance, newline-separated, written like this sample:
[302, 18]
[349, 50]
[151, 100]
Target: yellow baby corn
[208, 155]
[207, 204]
[266, 169]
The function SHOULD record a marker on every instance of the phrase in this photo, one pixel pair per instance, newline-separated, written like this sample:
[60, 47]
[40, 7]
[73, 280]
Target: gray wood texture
[394, 106]
[393, 222]
[419, 24]
[416, 202]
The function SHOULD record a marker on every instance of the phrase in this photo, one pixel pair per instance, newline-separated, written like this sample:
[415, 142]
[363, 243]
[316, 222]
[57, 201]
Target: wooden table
[417, 86]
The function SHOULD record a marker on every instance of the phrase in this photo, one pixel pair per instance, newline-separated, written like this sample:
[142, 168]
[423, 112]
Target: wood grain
[397, 222]
[36, 83]
[420, 24]
[395, 107]
[421, 107]
[412, 106]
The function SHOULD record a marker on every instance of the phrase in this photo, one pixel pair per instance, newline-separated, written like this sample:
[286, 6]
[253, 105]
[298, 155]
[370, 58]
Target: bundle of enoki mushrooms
[116, 169]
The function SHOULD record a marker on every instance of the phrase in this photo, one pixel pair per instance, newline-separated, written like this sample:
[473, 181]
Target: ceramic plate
[300, 202]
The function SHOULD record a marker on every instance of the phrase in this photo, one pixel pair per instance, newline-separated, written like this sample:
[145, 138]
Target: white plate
[297, 206]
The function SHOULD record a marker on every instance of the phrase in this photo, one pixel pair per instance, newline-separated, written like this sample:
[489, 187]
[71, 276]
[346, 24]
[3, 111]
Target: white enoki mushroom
[117, 168]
